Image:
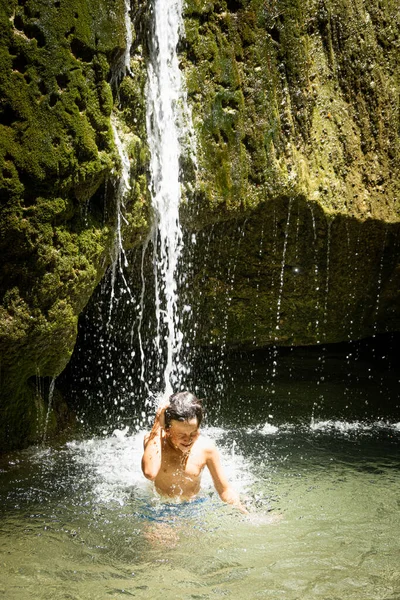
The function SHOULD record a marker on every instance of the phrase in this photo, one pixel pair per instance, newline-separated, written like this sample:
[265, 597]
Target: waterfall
[137, 344]
[118, 254]
[49, 407]
[166, 129]
[129, 37]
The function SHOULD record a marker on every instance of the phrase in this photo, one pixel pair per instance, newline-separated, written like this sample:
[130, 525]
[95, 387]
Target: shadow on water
[353, 381]
[349, 381]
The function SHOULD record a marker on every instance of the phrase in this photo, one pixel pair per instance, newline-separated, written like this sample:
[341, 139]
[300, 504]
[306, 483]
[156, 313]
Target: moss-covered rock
[130, 119]
[57, 214]
[295, 104]
[295, 206]
[288, 275]
[293, 97]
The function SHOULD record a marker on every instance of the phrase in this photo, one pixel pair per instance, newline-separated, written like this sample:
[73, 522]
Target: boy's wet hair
[183, 406]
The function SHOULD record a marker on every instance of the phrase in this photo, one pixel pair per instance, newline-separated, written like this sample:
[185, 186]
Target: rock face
[57, 221]
[288, 275]
[296, 109]
[294, 205]
[296, 97]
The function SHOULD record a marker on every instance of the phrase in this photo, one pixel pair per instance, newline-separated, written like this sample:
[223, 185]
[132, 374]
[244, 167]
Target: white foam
[341, 426]
[328, 426]
[353, 426]
[269, 429]
[114, 465]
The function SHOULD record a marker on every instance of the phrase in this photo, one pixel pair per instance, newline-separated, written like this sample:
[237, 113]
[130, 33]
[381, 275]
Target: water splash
[99, 456]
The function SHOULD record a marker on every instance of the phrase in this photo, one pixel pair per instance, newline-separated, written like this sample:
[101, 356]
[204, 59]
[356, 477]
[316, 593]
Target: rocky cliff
[294, 207]
[297, 116]
[57, 190]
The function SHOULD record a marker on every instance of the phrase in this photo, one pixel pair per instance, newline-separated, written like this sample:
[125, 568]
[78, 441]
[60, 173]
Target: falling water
[322, 357]
[328, 261]
[349, 299]
[316, 274]
[355, 278]
[379, 284]
[124, 65]
[230, 281]
[273, 252]
[326, 299]
[129, 37]
[296, 269]
[166, 116]
[351, 357]
[281, 279]
[118, 254]
[378, 297]
[260, 255]
[49, 406]
[280, 293]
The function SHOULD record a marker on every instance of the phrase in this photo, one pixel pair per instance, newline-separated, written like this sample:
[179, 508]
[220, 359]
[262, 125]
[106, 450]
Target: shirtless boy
[175, 453]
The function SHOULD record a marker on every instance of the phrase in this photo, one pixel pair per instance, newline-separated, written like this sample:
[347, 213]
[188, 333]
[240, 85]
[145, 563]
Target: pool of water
[78, 520]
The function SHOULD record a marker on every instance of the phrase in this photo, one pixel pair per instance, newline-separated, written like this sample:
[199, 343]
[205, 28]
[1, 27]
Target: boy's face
[183, 434]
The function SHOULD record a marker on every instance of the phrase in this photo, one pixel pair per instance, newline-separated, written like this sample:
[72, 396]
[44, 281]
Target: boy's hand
[160, 414]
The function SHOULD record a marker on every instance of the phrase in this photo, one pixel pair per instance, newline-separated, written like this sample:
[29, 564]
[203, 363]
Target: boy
[175, 453]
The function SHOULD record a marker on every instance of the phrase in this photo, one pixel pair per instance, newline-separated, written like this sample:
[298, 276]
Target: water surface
[78, 521]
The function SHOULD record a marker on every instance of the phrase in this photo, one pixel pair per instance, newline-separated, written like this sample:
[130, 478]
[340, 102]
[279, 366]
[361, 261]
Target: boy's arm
[151, 460]
[225, 491]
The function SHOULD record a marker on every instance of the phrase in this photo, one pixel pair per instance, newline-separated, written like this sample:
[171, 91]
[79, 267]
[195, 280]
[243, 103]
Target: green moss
[293, 102]
[287, 275]
[56, 152]
[294, 98]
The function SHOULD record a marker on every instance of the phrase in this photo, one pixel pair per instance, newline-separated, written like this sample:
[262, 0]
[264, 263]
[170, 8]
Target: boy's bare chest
[179, 465]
